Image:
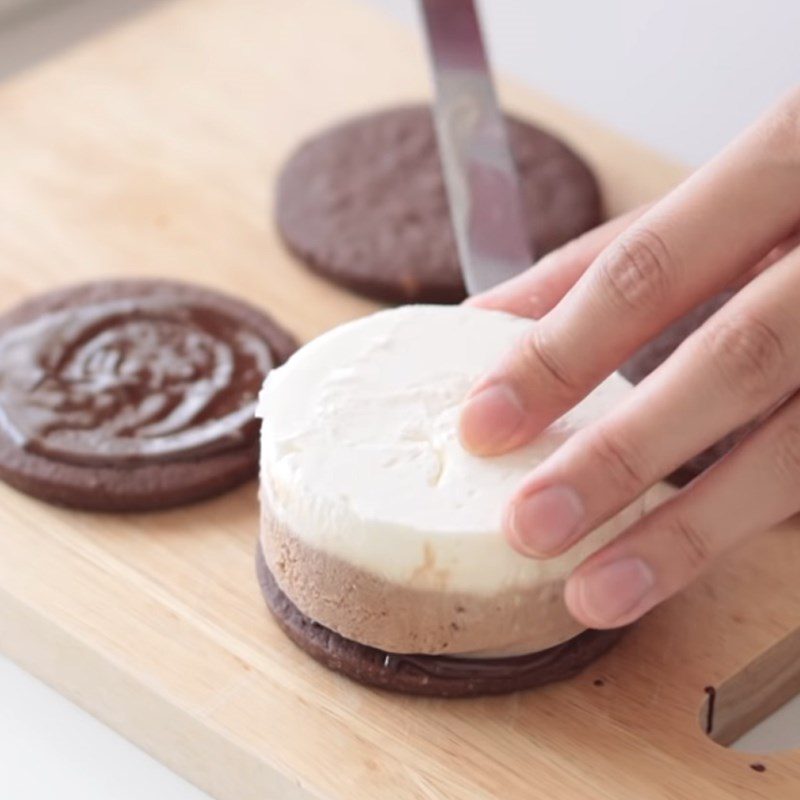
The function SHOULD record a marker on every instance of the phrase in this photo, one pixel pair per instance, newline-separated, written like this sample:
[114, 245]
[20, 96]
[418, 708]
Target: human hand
[735, 222]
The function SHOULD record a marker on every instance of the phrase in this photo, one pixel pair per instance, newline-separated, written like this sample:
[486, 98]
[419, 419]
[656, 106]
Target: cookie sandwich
[381, 552]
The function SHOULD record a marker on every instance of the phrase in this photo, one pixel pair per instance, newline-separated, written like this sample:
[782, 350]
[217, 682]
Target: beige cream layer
[404, 619]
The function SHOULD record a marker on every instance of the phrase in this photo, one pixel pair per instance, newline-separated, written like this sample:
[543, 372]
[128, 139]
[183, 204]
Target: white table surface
[682, 77]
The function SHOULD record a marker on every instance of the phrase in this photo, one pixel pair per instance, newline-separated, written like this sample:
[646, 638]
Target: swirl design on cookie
[124, 381]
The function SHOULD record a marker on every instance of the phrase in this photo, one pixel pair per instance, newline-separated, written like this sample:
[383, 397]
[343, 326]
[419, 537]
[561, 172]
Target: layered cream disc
[376, 522]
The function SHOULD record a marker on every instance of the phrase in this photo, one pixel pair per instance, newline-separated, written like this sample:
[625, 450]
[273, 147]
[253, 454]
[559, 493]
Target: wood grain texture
[149, 152]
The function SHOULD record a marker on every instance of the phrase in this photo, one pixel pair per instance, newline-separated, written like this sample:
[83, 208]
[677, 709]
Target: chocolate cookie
[655, 352]
[132, 395]
[363, 203]
[437, 676]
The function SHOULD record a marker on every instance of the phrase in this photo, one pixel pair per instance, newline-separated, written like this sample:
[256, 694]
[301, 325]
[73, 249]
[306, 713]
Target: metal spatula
[480, 175]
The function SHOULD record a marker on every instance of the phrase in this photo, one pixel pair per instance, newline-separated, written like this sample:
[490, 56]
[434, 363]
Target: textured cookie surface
[438, 676]
[132, 395]
[653, 354]
[364, 204]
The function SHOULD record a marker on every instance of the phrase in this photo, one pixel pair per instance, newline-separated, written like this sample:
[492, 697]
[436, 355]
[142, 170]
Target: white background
[683, 77]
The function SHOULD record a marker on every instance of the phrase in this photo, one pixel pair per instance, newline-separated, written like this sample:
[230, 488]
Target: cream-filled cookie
[376, 522]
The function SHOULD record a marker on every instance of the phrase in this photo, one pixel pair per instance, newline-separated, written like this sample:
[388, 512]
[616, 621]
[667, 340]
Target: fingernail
[608, 594]
[544, 522]
[490, 418]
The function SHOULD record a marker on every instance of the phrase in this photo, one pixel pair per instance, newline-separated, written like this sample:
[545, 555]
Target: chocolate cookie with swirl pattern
[132, 395]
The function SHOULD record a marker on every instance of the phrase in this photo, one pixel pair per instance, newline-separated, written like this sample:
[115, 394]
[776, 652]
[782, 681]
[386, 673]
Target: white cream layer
[361, 458]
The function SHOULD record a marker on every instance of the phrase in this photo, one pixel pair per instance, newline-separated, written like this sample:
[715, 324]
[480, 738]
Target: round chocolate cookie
[364, 204]
[655, 352]
[437, 676]
[132, 395]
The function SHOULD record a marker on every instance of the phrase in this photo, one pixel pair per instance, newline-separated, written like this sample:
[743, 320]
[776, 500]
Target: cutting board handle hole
[758, 708]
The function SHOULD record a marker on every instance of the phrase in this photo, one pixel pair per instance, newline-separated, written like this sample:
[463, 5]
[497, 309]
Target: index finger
[713, 227]
[537, 290]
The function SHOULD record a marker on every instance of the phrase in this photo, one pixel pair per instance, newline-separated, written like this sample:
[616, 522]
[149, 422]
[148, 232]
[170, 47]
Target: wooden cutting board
[151, 151]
